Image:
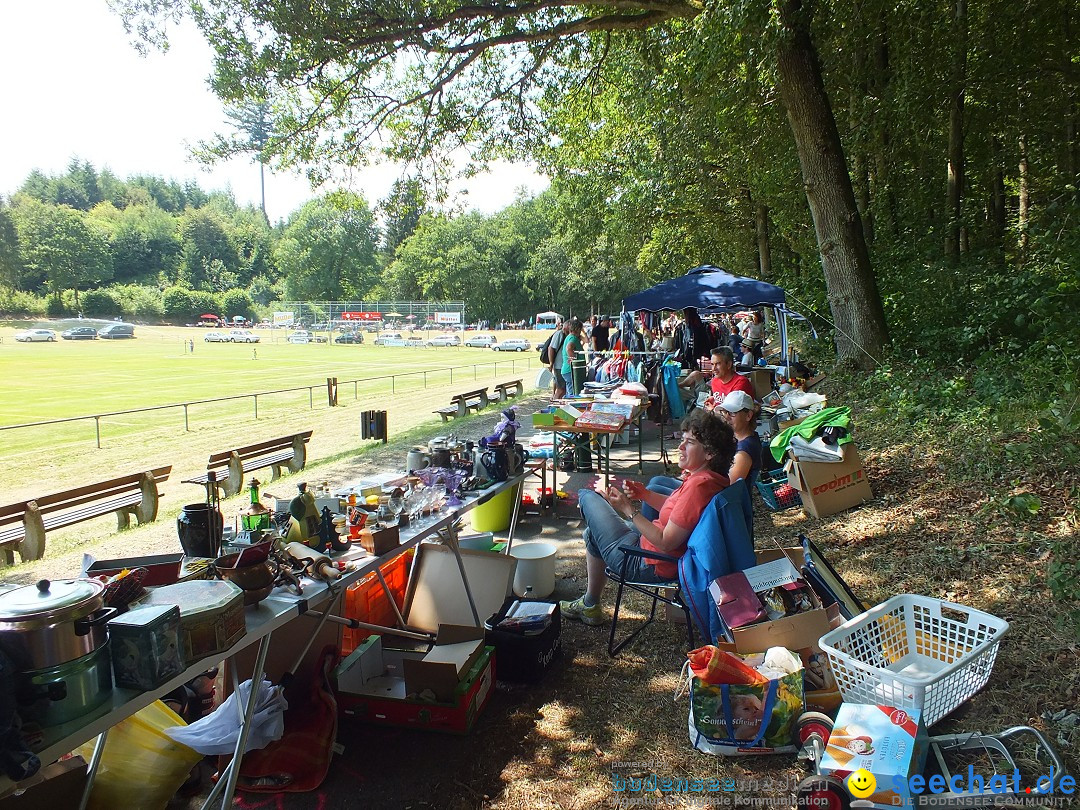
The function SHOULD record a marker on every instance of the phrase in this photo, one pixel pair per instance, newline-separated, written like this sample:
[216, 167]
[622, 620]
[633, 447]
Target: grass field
[46, 381]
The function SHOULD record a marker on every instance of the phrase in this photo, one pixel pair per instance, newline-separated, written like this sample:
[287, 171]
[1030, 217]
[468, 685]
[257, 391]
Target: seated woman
[705, 454]
[741, 412]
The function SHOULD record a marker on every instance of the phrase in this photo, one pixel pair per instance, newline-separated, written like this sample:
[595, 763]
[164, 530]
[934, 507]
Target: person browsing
[740, 411]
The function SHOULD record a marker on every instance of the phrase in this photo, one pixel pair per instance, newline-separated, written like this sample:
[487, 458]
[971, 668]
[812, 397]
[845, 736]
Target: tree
[253, 130]
[327, 251]
[478, 72]
[55, 241]
[401, 211]
[208, 257]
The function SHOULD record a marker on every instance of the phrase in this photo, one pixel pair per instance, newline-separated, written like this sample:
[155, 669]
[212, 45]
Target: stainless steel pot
[50, 623]
[62, 693]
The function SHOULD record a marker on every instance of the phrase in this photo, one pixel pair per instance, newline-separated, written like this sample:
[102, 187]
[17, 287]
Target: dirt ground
[559, 744]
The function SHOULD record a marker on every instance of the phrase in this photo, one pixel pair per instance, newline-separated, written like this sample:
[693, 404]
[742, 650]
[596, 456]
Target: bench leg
[445, 416]
[123, 518]
[146, 510]
[7, 555]
[235, 482]
[299, 458]
[462, 408]
[32, 546]
[275, 472]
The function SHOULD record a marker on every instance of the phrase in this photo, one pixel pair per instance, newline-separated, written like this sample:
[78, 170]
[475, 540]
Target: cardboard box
[830, 487]
[800, 634]
[784, 424]
[372, 688]
[762, 380]
[885, 741]
[380, 541]
[568, 414]
[543, 419]
[60, 784]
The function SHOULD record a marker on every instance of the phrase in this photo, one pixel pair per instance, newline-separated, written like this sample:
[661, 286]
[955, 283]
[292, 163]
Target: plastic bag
[218, 732]
[713, 665]
[141, 767]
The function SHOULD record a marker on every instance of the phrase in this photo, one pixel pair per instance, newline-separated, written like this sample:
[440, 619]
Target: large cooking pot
[53, 622]
[62, 693]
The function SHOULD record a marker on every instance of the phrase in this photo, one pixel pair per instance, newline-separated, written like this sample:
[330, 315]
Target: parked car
[513, 345]
[445, 340]
[386, 338]
[243, 336]
[350, 337]
[482, 341]
[80, 333]
[300, 337]
[116, 331]
[36, 336]
[216, 337]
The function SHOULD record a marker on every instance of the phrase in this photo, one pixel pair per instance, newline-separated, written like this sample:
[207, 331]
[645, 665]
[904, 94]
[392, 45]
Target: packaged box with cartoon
[890, 744]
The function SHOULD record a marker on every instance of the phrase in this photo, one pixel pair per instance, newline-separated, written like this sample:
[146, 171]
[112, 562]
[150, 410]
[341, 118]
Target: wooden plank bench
[508, 390]
[23, 525]
[229, 466]
[461, 404]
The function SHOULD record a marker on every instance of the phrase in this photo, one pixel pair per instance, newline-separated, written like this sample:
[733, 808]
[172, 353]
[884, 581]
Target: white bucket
[535, 568]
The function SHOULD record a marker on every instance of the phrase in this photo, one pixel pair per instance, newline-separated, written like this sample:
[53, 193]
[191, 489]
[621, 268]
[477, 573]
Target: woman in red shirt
[611, 521]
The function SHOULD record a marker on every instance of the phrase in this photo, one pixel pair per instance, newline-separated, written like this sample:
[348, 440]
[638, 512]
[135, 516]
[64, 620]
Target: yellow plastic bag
[141, 767]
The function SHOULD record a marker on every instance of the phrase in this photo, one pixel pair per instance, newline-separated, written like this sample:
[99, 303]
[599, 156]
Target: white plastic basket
[914, 652]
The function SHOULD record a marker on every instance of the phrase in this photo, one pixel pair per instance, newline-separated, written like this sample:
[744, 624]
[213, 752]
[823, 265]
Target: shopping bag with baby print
[746, 719]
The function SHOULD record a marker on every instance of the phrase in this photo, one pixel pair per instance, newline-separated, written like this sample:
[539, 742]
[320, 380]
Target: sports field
[63, 379]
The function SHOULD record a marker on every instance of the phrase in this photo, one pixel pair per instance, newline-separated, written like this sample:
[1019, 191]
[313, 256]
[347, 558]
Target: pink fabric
[684, 506]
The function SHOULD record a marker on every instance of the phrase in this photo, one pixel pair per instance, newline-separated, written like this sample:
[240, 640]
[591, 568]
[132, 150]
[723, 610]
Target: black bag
[544, 347]
[524, 654]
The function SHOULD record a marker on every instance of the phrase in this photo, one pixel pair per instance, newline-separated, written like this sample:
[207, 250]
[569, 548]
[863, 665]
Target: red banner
[361, 316]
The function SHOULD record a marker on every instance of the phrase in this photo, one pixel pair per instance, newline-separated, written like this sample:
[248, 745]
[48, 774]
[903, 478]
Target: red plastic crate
[367, 600]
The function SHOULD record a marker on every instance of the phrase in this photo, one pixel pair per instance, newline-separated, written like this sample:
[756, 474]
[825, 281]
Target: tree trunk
[858, 316]
[1025, 194]
[881, 191]
[761, 222]
[998, 219]
[955, 187]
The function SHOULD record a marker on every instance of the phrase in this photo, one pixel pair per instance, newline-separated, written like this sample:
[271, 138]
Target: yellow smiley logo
[861, 783]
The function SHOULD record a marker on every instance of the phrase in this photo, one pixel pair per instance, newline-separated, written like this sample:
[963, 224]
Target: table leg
[520, 490]
[640, 449]
[233, 768]
[91, 771]
[610, 437]
[464, 577]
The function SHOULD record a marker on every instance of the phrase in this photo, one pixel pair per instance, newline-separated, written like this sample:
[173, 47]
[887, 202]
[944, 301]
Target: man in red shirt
[724, 379]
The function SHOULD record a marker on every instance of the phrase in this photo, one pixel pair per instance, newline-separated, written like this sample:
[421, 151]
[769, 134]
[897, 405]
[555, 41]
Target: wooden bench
[461, 404]
[229, 466]
[23, 525]
[508, 390]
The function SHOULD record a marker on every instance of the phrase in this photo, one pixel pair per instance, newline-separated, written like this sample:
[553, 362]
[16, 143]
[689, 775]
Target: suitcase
[526, 649]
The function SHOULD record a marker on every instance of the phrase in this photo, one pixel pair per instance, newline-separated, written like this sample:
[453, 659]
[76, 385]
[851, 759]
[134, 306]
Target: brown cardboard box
[762, 380]
[60, 784]
[830, 487]
[790, 423]
[672, 615]
[801, 634]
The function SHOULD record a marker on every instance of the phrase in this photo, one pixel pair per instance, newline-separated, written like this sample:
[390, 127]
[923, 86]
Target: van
[116, 331]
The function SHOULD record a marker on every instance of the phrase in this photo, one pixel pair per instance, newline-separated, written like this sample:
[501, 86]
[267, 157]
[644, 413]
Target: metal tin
[146, 646]
[53, 622]
[211, 615]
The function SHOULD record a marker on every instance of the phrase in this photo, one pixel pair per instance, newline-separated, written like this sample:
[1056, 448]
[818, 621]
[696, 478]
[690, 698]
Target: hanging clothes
[672, 391]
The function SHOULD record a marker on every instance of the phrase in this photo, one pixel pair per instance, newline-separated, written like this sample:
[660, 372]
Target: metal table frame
[263, 619]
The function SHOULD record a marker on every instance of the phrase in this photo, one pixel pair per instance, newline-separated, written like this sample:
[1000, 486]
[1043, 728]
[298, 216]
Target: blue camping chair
[722, 542]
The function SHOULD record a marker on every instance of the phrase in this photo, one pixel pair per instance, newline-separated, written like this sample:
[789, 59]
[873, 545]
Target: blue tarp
[710, 289]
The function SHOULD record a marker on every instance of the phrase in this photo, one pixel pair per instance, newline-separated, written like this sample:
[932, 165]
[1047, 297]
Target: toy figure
[304, 521]
[505, 432]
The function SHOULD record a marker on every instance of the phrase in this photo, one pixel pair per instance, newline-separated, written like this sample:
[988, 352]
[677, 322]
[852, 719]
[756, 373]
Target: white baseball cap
[737, 401]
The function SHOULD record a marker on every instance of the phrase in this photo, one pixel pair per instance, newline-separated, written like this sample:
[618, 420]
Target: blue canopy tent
[712, 289]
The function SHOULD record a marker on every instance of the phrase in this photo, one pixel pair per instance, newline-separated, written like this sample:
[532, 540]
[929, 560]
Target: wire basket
[914, 652]
[778, 494]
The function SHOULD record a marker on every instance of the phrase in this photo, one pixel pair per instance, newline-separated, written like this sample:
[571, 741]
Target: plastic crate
[784, 500]
[914, 652]
[367, 601]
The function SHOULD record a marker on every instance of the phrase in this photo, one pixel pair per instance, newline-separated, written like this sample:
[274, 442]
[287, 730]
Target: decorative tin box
[211, 615]
[146, 646]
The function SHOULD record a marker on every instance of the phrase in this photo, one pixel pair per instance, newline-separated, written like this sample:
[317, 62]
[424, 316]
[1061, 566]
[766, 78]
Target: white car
[243, 336]
[300, 337]
[389, 339]
[513, 345]
[481, 341]
[36, 335]
[445, 340]
[215, 337]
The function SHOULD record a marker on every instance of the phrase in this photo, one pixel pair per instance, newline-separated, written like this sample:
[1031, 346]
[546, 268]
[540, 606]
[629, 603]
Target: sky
[73, 86]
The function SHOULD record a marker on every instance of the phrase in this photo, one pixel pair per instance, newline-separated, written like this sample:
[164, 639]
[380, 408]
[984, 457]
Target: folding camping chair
[722, 542]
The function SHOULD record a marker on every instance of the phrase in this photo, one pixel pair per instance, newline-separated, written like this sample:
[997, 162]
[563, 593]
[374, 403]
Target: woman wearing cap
[740, 411]
[612, 521]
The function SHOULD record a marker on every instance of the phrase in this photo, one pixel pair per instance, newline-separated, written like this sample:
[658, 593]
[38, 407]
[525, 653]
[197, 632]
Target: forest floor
[559, 744]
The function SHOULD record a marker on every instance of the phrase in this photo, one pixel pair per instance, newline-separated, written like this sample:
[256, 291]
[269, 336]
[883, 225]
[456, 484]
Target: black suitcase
[525, 654]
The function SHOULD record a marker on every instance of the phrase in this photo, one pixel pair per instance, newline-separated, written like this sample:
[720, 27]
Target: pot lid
[48, 596]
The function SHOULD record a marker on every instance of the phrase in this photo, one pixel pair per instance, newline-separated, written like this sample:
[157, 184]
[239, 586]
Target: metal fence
[464, 372]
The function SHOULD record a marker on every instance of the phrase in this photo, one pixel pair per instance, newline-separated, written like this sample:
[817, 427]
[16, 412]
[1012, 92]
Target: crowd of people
[719, 444]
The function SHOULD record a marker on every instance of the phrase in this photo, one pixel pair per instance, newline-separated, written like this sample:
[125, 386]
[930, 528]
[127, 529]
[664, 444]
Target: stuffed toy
[505, 433]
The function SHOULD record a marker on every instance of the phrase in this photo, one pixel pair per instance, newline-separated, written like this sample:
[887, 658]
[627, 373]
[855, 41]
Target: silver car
[36, 336]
